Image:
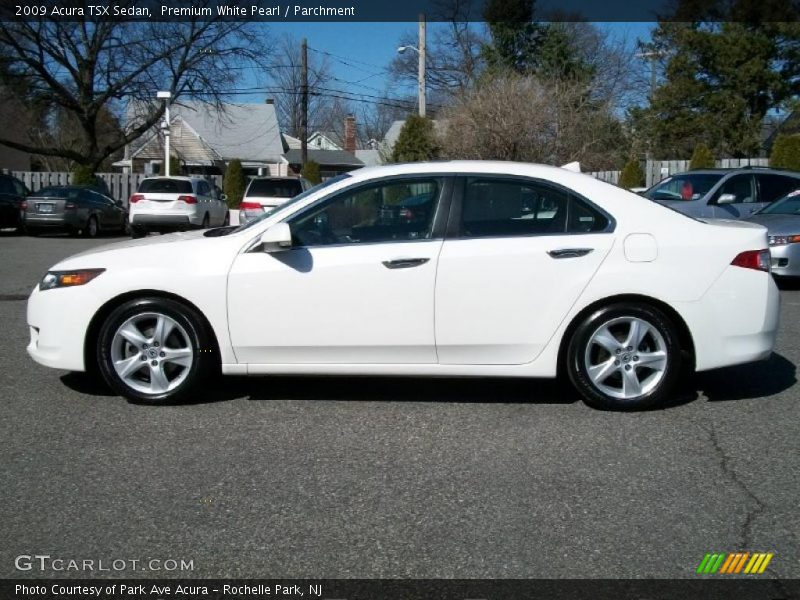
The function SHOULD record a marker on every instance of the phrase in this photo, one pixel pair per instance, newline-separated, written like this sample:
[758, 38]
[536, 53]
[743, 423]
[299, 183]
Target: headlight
[58, 279]
[782, 240]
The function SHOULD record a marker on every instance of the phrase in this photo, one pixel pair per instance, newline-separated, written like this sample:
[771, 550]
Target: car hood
[145, 241]
[778, 224]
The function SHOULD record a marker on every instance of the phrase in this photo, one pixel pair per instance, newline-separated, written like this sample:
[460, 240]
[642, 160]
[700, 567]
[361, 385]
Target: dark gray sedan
[74, 209]
[782, 220]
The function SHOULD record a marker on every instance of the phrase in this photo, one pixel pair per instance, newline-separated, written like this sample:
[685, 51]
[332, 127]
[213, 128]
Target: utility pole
[421, 69]
[165, 96]
[304, 111]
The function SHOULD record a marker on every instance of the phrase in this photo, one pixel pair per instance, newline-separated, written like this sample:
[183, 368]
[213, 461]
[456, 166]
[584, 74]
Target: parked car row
[769, 197]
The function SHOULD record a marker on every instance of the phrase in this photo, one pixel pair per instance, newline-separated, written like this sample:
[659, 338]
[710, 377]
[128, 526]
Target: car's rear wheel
[155, 351]
[92, 228]
[137, 232]
[625, 357]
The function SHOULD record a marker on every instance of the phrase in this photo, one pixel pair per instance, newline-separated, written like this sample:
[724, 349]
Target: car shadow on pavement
[394, 389]
[84, 383]
[752, 380]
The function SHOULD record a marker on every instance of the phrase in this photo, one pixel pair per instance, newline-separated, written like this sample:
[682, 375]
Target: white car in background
[505, 269]
[265, 193]
[168, 204]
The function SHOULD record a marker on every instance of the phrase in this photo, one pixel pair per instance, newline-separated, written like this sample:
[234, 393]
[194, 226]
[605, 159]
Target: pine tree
[83, 175]
[702, 158]
[632, 175]
[416, 142]
[786, 152]
[311, 172]
[234, 184]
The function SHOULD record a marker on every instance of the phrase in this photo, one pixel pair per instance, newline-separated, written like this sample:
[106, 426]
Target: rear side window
[165, 186]
[275, 188]
[773, 187]
[501, 208]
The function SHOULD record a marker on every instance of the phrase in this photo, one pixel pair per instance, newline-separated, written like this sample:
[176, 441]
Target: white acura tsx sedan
[441, 269]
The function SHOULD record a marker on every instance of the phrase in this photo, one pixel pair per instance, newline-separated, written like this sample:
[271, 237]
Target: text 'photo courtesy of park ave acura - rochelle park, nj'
[445, 299]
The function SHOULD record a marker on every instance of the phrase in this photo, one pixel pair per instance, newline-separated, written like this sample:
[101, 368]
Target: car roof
[723, 171]
[278, 177]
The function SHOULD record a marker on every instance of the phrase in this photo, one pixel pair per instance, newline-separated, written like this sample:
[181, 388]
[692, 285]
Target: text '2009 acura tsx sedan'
[504, 269]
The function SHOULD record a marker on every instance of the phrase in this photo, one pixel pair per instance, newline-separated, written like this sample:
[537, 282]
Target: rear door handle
[569, 252]
[404, 263]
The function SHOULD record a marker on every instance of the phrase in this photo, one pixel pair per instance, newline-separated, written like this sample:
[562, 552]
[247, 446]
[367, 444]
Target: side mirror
[223, 197]
[726, 199]
[277, 238]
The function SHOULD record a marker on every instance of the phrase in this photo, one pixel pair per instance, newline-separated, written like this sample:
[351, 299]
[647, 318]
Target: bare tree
[453, 57]
[522, 118]
[88, 69]
[325, 110]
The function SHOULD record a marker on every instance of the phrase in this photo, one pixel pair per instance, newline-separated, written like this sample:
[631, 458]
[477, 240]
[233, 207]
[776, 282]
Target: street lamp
[421, 65]
[165, 96]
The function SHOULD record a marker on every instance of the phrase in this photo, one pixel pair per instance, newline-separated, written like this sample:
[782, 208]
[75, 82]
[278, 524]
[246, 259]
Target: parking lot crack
[758, 507]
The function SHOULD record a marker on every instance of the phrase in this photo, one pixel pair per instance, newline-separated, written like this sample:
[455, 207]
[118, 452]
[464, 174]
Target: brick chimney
[350, 134]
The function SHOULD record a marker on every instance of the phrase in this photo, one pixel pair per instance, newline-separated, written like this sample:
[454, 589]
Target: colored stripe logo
[735, 563]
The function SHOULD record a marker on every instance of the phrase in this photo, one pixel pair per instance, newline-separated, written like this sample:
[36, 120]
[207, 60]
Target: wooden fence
[121, 185]
[657, 170]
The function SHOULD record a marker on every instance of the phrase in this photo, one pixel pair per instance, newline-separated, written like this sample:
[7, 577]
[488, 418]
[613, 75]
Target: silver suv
[723, 193]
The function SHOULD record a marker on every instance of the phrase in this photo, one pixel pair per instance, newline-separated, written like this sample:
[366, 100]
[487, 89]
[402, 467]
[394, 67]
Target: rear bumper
[54, 221]
[736, 321]
[156, 221]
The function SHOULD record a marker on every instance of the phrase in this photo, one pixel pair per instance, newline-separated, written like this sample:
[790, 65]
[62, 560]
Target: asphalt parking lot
[395, 478]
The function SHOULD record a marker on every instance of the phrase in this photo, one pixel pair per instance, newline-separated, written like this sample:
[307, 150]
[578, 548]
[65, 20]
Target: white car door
[517, 255]
[356, 287]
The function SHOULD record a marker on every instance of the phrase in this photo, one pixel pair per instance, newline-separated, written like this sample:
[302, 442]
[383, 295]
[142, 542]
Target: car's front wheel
[155, 351]
[625, 357]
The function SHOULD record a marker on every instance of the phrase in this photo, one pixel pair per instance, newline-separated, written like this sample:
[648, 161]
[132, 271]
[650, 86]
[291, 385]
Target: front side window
[688, 186]
[501, 208]
[740, 187]
[392, 211]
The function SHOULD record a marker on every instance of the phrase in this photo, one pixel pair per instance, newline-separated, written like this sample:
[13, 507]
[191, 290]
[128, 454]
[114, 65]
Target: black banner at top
[341, 11]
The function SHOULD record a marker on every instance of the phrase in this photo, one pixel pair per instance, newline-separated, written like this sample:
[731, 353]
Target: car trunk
[46, 205]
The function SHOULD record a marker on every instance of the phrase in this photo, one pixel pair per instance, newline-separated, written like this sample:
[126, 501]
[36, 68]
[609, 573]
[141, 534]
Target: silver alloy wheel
[626, 358]
[151, 353]
[92, 227]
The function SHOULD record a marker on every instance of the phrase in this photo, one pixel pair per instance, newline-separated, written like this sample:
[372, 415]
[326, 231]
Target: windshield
[274, 188]
[688, 186]
[293, 201]
[165, 186]
[790, 205]
[56, 192]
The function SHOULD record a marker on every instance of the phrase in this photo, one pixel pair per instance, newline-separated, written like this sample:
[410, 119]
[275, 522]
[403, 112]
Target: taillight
[188, 199]
[753, 259]
[250, 206]
[406, 214]
[23, 205]
[135, 198]
[69, 206]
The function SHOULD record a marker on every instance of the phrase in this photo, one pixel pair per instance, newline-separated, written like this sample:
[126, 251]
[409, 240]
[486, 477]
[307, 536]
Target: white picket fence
[656, 170]
[121, 185]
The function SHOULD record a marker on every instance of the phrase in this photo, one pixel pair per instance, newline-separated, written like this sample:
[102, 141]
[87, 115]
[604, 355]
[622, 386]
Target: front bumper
[58, 321]
[785, 260]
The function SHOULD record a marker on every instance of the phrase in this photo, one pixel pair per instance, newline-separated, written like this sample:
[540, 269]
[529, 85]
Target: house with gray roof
[205, 138]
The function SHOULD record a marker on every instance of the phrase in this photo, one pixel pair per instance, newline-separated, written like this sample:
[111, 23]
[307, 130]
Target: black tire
[227, 220]
[126, 227]
[92, 228]
[137, 232]
[205, 223]
[610, 393]
[31, 231]
[191, 332]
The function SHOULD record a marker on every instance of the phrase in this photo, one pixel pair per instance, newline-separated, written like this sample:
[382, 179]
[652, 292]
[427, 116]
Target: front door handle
[569, 252]
[404, 263]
